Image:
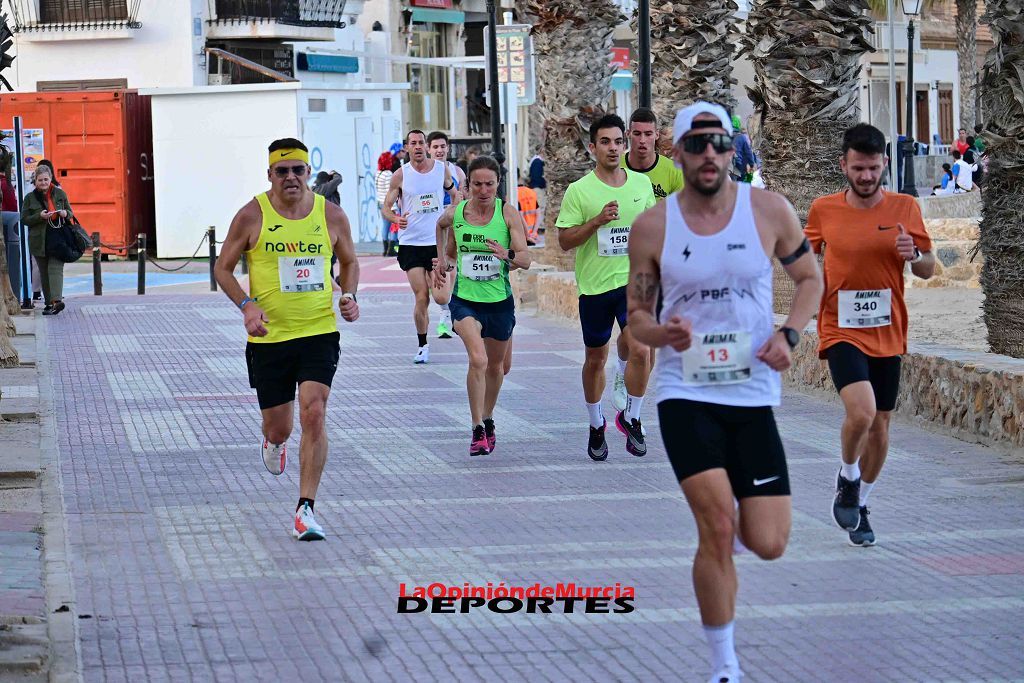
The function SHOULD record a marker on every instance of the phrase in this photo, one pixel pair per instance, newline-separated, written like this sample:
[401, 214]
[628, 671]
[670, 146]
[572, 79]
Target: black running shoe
[597, 447]
[635, 443]
[863, 535]
[489, 431]
[846, 506]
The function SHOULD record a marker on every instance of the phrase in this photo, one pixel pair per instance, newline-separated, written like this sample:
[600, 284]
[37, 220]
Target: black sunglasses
[696, 144]
[283, 171]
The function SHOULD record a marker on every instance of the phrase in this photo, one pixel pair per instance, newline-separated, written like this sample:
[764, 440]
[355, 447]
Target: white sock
[633, 405]
[723, 651]
[865, 491]
[596, 415]
[622, 366]
[850, 472]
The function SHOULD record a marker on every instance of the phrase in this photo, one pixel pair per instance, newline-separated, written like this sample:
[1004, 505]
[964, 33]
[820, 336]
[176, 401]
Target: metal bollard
[97, 273]
[141, 256]
[211, 238]
[245, 264]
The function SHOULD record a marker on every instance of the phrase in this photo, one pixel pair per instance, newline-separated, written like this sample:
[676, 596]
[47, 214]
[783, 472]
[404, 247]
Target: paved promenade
[183, 561]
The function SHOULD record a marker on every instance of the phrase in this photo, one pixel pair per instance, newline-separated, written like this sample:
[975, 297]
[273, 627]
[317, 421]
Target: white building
[223, 102]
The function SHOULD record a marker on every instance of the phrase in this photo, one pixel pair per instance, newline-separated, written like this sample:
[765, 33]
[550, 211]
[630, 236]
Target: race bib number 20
[301, 273]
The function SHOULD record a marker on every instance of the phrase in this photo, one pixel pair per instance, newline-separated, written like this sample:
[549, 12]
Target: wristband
[350, 295]
[241, 305]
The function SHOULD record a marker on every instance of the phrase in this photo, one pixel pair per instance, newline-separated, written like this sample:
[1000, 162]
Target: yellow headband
[288, 154]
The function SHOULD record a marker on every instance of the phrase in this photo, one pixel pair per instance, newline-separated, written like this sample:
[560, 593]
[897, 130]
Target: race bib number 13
[865, 308]
[301, 274]
[613, 241]
[717, 358]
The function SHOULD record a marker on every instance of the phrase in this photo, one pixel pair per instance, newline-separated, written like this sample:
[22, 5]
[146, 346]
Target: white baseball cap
[684, 119]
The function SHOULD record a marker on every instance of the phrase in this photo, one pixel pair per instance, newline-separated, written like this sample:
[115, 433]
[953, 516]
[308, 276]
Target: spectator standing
[11, 224]
[327, 184]
[539, 184]
[961, 144]
[47, 204]
[381, 183]
[744, 162]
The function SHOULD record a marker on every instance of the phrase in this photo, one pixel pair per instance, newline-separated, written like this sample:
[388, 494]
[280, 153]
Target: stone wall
[964, 205]
[953, 240]
[974, 396]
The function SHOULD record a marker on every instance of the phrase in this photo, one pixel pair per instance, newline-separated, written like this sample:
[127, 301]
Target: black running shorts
[275, 369]
[598, 314]
[848, 364]
[743, 441]
[413, 256]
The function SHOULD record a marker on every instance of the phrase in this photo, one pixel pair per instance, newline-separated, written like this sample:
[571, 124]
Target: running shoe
[597, 447]
[478, 445]
[846, 506]
[619, 392]
[306, 527]
[274, 456]
[489, 431]
[863, 535]
[729, 674]
[422, 355]
[635, 442]
[444, 327]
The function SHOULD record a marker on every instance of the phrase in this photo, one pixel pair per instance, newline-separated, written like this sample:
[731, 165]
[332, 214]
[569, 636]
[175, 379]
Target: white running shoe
[306, 527]
[728, 674]
[619, 392]
[422, 355]
[444, 326]
[274, 456]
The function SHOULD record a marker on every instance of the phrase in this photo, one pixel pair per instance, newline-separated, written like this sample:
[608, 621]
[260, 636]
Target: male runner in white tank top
[437, 147]
[420, 185]
[709, 249]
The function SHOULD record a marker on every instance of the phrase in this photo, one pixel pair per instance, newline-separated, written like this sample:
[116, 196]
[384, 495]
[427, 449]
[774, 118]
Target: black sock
[304, 500]
[422, 339]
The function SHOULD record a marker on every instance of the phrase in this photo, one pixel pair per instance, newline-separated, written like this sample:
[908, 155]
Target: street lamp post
[911, 8]
[644, 51]
[495, 96]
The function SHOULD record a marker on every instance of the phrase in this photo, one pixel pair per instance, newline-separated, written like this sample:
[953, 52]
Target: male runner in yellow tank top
[288, 235]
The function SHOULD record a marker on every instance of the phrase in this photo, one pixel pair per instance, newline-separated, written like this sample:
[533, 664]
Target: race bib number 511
[301, 273]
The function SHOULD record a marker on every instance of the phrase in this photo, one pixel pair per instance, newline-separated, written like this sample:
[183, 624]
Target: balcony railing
[323, 13]
[49, 15]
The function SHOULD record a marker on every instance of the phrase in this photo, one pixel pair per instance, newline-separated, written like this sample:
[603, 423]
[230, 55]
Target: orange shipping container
[101, 144]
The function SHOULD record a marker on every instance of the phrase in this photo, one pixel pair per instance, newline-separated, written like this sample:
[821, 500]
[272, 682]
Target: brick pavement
[184, 564]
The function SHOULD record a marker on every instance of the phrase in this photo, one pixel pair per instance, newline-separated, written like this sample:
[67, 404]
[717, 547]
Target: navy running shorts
[497, 319]
[598, 313]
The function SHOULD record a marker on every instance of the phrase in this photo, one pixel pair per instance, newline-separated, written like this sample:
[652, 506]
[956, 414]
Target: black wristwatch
[792, 336]
[511, 255]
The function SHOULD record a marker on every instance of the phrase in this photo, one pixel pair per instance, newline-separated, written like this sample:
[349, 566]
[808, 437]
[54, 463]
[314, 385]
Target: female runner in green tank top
[486, 239]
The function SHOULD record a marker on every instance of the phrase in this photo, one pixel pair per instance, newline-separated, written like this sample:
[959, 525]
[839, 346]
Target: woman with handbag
[45, 210]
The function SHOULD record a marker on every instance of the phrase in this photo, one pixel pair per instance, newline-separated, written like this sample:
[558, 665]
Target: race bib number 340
[865, 308]
[613, 241]
[717, 358]
[301, 273]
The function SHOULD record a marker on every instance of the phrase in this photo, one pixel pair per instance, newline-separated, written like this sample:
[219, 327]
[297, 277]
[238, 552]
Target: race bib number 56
[717, 358]
[301, 274]
[865, 308]
[613, 241]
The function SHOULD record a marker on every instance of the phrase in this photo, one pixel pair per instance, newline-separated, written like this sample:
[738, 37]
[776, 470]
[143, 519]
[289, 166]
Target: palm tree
[8, 354]
[967, 59]
[692, 45]
[806, 56]
[1001, 240]
[572, 42]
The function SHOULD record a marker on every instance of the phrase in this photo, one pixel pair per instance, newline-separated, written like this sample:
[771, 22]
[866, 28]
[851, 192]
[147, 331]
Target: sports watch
[511, 255]
[792, 336]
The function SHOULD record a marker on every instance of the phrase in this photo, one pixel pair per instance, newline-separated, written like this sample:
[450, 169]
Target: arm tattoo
[645, 287]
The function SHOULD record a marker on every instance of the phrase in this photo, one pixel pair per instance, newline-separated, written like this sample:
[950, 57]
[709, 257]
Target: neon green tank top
[290, 274]
[482, 277]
